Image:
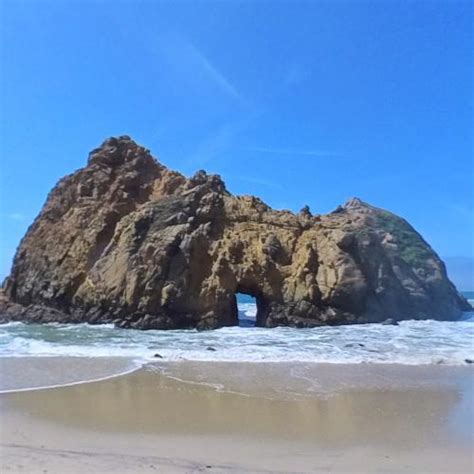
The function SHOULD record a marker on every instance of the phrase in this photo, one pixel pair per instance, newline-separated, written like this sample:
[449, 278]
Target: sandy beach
[224, 417]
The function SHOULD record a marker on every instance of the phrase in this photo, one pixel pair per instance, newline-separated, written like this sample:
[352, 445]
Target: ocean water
[469, 295]
[411, 342]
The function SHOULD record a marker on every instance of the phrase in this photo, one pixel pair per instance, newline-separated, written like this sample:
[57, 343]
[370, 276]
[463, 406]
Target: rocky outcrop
[128, 241]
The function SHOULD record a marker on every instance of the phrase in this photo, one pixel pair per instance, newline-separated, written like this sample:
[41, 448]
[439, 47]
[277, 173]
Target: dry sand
[224, 417]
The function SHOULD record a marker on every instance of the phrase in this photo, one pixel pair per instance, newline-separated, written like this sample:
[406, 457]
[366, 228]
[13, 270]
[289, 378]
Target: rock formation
[126, 240]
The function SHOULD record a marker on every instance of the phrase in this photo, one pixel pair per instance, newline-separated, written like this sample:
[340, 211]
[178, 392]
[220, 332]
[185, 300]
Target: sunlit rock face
[128, 241]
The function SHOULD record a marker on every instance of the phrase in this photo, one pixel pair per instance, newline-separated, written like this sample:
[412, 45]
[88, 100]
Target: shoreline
[246, 418]
[47, 367]
[68, 384]
[113, 366]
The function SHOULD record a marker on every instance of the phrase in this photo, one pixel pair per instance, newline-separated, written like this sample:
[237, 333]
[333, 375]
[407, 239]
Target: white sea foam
[82, 378]
[248, 309]
[411, 342]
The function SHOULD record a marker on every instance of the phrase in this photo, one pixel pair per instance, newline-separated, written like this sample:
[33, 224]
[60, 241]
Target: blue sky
[297, 102]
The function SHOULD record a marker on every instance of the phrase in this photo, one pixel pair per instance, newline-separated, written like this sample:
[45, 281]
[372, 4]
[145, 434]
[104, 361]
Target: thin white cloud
[214, 145]
[286, 151]
[16, 216]
[184, 58]
[212, 71]
[219, 140]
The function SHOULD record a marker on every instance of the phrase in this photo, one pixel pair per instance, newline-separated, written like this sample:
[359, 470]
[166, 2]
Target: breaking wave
[411, 342]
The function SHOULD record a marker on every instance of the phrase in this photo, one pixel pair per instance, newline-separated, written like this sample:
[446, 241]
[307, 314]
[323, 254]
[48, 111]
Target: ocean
[411, 342]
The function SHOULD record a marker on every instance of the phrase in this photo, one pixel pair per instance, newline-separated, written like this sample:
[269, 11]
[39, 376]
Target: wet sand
[224, 417]
[23, 373]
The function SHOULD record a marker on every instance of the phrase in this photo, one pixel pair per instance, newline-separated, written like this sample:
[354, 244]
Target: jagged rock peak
[355, 202]
[214, 181]
[116, 151]
[128, 241]
[305, 212]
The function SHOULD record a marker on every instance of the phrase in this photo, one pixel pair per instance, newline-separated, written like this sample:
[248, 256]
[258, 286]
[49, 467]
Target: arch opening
[250, 308]
[246, 310]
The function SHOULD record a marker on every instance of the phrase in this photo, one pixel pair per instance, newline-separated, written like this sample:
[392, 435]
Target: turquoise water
[469, 295]
[411, 342]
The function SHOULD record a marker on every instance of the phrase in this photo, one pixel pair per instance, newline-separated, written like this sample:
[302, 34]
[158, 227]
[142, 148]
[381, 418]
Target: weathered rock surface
[126, 240]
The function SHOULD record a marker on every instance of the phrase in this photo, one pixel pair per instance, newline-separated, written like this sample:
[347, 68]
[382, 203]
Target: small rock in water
[210, 348]
[353, 344]
[390, 322]
[158, 356]
[469, 361]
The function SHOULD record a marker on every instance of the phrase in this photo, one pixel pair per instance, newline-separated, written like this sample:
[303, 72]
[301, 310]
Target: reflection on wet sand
[149, 402]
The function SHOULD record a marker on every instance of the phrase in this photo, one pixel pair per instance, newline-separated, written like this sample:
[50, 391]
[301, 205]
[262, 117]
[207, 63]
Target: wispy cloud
[287, 151]
[211, 70]
[219, 140]
[178, 58]
[16, 216]
[214, 145]
[191, 63]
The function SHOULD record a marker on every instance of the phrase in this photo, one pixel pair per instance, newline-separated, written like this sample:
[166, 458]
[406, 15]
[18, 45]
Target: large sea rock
[128, 241]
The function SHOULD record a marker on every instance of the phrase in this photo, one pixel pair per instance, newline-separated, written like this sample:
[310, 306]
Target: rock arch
[128, 241]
